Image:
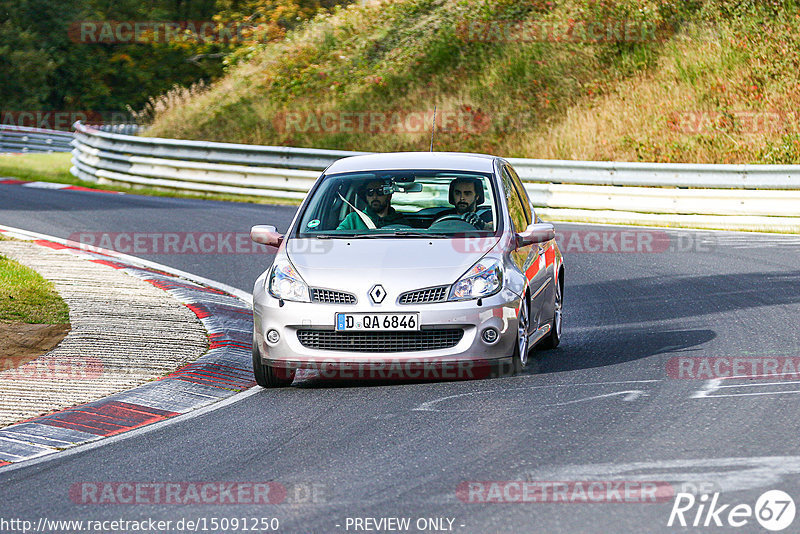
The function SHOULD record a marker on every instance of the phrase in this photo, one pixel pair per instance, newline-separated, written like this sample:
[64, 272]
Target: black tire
[520, 357]
[552, 340]
[268, 376]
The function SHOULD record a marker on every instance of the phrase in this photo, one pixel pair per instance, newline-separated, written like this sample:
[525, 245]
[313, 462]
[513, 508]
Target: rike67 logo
[774, 510]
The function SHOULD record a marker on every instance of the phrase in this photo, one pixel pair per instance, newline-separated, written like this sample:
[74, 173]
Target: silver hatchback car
[408, 265]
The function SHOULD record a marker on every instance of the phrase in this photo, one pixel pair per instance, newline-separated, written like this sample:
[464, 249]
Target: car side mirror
[266, 234]
[536, 233]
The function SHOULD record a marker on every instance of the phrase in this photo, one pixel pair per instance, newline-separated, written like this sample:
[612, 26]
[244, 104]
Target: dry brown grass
[564, 101]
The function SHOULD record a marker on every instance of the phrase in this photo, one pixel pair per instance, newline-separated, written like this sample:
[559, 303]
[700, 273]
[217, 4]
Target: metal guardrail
[692, 175]
[208, 152]
[771, 192]
[124, 128]
[199, 166]
[20, 139]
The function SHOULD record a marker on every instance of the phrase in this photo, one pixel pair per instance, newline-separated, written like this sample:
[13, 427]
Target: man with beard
[466, 194]
[379, 199]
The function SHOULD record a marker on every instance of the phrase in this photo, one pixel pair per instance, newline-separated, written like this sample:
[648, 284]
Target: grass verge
[717, 81]
[55, 168]
[26, 297]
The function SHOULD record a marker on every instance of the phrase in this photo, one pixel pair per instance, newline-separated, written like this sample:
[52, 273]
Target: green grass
[46, 167]
[55, 168]
[26, 297]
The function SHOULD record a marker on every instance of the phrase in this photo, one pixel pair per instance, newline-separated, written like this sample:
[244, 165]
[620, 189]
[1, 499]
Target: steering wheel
[451, 223]
[450, 217]
[453, 217]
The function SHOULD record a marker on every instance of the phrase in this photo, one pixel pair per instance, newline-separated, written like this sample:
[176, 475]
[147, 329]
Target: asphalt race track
[610, 404]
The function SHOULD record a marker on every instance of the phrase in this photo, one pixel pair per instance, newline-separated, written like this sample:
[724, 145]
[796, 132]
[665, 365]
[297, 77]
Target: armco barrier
[742, 197]
[693, 175]
[19, 139]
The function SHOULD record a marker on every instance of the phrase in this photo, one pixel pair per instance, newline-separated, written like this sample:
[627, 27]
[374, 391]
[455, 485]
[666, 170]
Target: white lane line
[766, 375]
[707, 389]
[762, 384]
[46, 185]
[630, 395]
[727, 474]
[754, 394]
[428, 406]
[737, 234]
[103, 441]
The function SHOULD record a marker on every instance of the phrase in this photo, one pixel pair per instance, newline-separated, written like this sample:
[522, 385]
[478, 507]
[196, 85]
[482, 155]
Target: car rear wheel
[520, 358]
[268, 376]
[554, 338]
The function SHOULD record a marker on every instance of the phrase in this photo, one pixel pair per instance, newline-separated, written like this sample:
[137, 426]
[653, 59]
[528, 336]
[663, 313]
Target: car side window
[515, 204]
[523, 194]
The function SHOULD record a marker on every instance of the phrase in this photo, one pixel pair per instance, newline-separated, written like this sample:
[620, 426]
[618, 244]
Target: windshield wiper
[349, 236]
[378, 235]
[398, 233]
[411, 233]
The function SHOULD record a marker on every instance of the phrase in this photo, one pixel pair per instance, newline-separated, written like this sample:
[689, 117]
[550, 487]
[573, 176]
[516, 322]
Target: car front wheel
[520, 358]
[268, 376]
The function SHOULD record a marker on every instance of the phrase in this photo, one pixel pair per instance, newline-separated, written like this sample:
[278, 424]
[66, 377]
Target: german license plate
[377, 321]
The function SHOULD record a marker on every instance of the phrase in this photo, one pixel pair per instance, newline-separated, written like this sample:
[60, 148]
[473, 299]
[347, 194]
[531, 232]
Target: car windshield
[401, 204]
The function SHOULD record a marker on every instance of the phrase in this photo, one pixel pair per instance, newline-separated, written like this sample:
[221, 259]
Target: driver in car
[378, 197]
[466, 194]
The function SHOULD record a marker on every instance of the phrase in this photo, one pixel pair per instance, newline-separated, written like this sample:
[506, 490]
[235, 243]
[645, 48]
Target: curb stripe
[222, 372]
[106, 418]
[169, 284]
[198, 310]
[112, 264]
[50, 244]
[55, 186]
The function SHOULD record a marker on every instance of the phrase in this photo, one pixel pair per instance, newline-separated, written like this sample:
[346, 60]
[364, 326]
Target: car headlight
[485, 278]
[285, 283]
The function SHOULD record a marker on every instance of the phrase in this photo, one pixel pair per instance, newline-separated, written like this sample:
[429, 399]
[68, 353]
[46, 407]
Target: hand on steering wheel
[468, 218]
[472, 218]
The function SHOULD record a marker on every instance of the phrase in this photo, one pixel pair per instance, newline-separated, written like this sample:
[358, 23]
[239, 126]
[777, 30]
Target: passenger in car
[379, 209]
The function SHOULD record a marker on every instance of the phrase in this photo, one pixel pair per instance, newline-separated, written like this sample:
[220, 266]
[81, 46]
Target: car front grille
[330, 296]
[380, 341]
[424, 296]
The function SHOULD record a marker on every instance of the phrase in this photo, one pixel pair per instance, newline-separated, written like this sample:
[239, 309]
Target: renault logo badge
[377, 293]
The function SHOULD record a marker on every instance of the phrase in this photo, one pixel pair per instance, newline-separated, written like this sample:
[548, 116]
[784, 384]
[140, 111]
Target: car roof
[451, 161]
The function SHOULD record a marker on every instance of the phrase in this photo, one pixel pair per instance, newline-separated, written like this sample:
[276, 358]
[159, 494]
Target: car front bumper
[498, 311]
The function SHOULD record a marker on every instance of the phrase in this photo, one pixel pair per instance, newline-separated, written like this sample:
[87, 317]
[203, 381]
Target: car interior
[421, 198]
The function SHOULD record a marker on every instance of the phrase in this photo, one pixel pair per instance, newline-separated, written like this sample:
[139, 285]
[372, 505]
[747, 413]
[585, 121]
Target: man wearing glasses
[378, 197]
